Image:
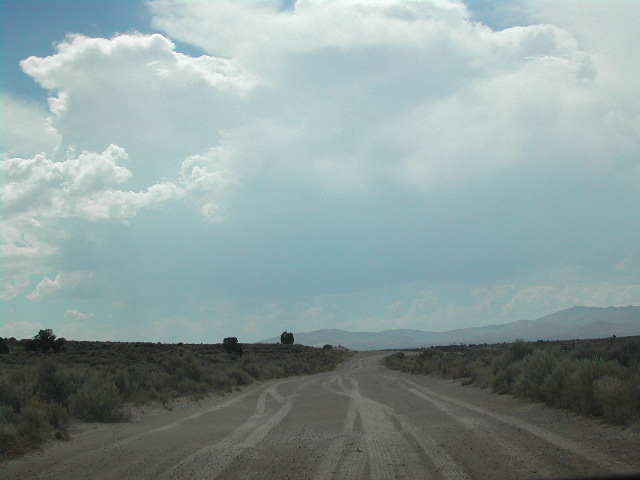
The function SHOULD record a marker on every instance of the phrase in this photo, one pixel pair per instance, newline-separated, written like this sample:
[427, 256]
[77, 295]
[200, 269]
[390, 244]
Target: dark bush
[58, 344]
[4, 346]
[286, 338]
[44, 341]
[231, 345]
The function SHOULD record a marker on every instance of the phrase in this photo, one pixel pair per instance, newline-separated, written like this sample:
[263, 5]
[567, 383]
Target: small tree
[4, 345]
[231, 345]
[45, 340]
[286, 338]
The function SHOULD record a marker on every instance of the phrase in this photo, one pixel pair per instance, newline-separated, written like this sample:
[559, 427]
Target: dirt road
[360, 421]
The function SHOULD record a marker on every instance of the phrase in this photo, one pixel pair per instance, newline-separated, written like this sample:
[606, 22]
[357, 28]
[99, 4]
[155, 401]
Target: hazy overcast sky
[181, 170]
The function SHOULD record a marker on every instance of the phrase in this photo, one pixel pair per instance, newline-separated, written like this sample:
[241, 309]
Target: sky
[183, 171]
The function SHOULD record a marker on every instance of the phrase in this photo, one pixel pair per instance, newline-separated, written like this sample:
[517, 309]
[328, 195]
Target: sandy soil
[360, 421]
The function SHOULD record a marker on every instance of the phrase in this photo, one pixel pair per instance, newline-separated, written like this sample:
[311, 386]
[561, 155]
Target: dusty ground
[360, 421]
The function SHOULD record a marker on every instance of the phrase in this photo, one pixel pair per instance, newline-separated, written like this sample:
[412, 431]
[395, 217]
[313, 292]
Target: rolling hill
[576, 322]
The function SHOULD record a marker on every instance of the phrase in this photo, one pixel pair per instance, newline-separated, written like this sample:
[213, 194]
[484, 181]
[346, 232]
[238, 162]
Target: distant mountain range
[576, 322]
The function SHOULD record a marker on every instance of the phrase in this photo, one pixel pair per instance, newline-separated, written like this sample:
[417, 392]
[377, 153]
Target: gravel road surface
[360, 421]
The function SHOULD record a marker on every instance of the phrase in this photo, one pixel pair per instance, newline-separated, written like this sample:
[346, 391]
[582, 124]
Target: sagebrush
[599, 377]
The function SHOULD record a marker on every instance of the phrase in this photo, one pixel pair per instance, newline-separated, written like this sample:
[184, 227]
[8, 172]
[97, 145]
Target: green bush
[33, 422]
[616, 399]
[594, 377]
[504, 380]
[553, 388]
[98, 400]
[534, 368]
[17, 388]
[579, 393]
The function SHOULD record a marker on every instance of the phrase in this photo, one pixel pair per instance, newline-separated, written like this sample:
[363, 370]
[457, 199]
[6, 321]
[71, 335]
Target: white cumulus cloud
[319, 149]
[77, 315]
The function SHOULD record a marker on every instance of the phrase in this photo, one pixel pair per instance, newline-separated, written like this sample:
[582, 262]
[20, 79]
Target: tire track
[481, 428]
[171, 425]
[386, 445]
[603, 460]
[95, 456]
[331, 458]
[444, 464]
[209, 462]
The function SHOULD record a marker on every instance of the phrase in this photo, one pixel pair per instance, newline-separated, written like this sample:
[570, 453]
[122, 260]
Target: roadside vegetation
[45, 386]
[599, 378]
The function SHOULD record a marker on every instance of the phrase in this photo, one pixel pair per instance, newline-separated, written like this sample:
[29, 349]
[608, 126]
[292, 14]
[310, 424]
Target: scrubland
[599, 378]
[42, 392]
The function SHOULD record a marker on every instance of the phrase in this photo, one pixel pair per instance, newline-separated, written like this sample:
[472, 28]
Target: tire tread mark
[559, 441]
[210, 461]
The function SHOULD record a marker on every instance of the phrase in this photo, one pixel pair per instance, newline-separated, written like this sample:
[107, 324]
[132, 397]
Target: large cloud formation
[324, 159]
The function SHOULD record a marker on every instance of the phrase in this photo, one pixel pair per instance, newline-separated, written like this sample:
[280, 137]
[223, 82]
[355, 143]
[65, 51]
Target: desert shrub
[33, 422]
[271, 370]
[193, 369]
[9, 439]
[251, 366]
[220, 382]
[239, 376]
[480, 374]
[579, 393]
[616, 399]
[553, 388]
[504, 380]
[501, 361]
[327, 345]
[4, 346]
[393, 362]
[17, 388]
[627, 354]
[520, 349]
[534, 368]
[54, 384]
[172, 364]
[125, 383]
[98, 400]
[605, 384]
[58, 416]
